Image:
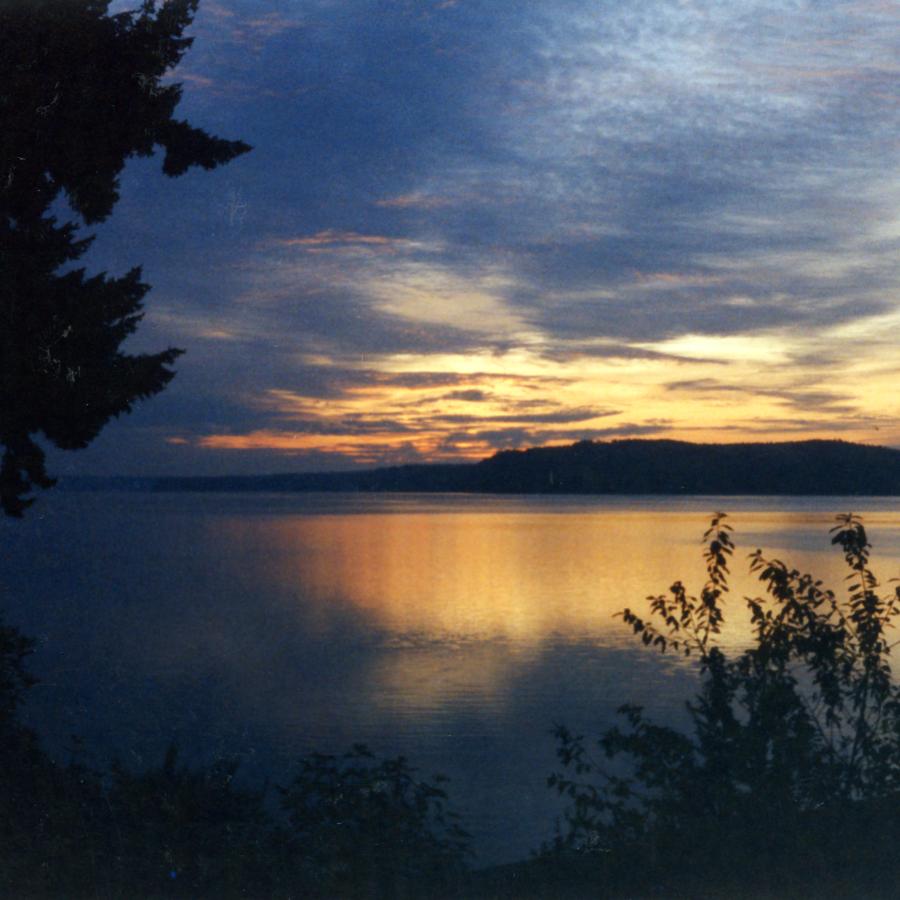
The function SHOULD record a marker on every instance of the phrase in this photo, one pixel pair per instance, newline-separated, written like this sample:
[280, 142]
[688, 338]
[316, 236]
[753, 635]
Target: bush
[366, 827]
[175, 831]
[351, 826]
[791, 770]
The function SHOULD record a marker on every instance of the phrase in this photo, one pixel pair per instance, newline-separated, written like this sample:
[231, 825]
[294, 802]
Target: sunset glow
[571, 222]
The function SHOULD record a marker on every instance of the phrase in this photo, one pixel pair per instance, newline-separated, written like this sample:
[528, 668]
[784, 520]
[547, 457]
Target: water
[455, 630]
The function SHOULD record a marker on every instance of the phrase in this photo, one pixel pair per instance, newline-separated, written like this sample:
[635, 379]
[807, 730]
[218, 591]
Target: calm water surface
[455, 630]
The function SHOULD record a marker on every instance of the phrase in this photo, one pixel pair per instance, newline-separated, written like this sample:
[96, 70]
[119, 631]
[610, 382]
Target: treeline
[678, 467]
[615, 467]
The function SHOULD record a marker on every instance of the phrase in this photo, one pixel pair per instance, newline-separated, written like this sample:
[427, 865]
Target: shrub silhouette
[351, 826]
[790, 773]
[364, 827]
[178, 831]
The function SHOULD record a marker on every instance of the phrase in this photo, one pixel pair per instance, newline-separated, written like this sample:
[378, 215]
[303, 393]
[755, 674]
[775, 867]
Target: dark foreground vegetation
[353, 826]
[595, 467]
[787, 785]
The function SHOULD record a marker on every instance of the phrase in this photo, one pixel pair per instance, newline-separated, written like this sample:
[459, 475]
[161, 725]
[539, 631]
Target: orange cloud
[414, 201]
[335, 241]
[382, 448]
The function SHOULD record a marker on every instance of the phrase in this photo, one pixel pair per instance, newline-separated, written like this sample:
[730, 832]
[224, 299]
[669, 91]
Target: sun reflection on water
[526, 576]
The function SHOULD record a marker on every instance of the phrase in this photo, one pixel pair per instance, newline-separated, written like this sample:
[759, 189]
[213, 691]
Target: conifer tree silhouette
[80, 94]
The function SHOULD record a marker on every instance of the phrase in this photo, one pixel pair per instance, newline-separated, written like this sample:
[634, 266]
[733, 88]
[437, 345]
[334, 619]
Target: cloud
[524, 437]
[192, 79]
[471, 396]
[559, 416]
[217, 10]
[335, 241]
[414, 200]
[669, 208]
[808, 400]
[244, 24]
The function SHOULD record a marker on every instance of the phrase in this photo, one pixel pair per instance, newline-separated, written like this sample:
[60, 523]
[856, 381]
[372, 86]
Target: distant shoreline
[626, 467]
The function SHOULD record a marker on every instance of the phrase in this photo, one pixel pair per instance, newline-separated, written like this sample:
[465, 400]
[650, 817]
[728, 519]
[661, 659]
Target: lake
[453, 629]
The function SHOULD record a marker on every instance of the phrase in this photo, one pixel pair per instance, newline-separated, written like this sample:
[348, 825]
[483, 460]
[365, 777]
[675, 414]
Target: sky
[472, 225]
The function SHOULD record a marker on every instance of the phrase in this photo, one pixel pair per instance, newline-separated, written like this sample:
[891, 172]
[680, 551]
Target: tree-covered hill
[677, 467]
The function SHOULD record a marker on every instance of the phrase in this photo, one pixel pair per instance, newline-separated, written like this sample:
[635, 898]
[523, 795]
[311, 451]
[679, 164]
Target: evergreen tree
[80, 95]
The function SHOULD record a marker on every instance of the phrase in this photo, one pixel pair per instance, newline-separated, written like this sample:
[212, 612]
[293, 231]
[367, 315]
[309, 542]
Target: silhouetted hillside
[616, 467]
[676, 467]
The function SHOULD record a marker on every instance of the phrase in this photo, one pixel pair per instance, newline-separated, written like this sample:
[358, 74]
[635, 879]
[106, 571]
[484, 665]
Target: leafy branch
[805, 720]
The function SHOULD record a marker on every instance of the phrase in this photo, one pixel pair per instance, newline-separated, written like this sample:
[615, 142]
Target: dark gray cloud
[471, 396]
[522, 436]
[559, 417]
[808, 400]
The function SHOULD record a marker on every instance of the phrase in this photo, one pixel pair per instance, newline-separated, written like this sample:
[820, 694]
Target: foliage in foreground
[350, 826]
[791, 772]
